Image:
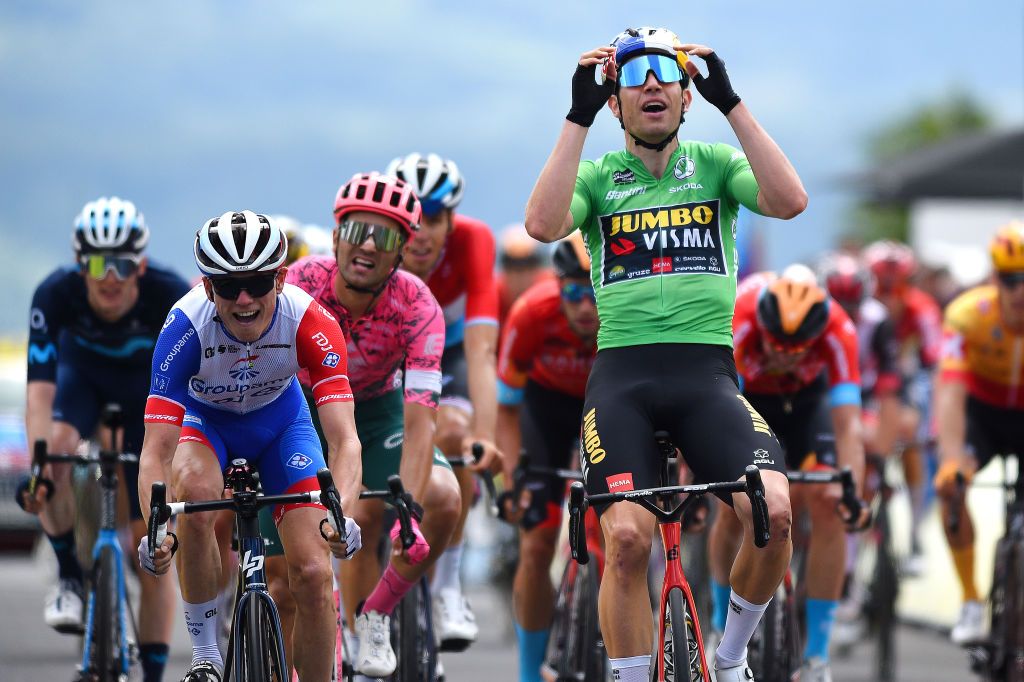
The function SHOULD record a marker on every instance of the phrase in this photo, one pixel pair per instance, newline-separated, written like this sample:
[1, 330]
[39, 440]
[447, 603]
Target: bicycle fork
[675, 578]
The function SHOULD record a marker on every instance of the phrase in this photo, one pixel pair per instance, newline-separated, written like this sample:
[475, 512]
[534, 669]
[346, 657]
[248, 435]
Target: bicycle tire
[778, 638]
[1013, 624]
[106, 637]
[682, 657]
[416, 656]
[884, 593]
[273, 646]
[583, 654]
[253, 666]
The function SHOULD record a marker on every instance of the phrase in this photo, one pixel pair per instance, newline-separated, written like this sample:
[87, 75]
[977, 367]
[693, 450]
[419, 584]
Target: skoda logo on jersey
[299, 461]
[243, 368]
[331, 360]
[684, 168]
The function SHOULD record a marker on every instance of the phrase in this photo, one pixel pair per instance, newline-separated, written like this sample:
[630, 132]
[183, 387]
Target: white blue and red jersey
[242, 399]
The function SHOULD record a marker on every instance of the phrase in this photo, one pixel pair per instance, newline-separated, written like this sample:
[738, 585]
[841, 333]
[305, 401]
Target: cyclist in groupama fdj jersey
[796, 352]
[395, 331]
[547, 350]
[92, 332]
[224, 387]
[658, 220]
[454, 255]
[979, 400]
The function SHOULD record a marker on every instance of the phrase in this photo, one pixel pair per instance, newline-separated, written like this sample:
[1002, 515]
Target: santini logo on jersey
[614, 194]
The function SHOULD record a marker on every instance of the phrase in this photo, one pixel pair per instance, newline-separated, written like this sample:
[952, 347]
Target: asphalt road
[31, 652]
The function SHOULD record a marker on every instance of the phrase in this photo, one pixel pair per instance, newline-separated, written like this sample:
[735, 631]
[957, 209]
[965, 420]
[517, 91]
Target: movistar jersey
[663, 251]
[64, 328]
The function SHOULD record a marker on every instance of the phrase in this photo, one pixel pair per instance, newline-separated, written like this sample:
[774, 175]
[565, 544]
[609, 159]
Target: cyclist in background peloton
[547, 349]
[979, 404]
[796, 353]
[454, 255]
[521, 264]
[91, 336]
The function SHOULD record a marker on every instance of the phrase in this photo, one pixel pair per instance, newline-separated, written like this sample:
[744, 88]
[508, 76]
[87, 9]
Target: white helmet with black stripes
[240, 241]
[436, 181]
[110, 224]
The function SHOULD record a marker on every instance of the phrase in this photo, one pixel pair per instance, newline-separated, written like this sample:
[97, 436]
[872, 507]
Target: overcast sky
[193, 108]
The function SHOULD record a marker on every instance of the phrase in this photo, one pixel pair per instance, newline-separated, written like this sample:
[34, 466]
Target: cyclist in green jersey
[658, 219]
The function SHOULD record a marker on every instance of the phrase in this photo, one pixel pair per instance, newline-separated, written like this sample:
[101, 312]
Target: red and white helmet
[846, 279]
[892, 263]
[382, 194]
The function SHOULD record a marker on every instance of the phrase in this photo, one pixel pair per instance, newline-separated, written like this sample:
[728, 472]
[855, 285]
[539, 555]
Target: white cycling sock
[739, 626]
[446, 571]
[201, 621]
[632, 669]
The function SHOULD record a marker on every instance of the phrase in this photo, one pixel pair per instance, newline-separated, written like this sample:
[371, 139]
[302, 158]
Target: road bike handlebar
[161, 512]
[849, 500]
[751, 484]
[477, 450]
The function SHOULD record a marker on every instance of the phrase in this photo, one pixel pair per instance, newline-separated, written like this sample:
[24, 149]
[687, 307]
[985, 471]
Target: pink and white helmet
[382, 194]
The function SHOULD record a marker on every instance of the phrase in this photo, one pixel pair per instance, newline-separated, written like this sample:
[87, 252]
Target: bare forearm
[889, 412]
[850, 450]
[509, 438]
[781, 195]
[481, 346]
[950, 411]
[39, 396]
[158, 448]
[547, 209]
[346, 465]
[417, 457]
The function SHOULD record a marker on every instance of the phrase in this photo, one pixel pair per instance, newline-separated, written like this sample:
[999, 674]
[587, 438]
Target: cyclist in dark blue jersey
[93, 327]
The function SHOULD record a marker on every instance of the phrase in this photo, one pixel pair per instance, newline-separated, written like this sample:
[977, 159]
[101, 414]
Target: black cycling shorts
[82, 392]
[688, 390]
[455, 378]
[993, 431]
[803, 423]
[550, 426]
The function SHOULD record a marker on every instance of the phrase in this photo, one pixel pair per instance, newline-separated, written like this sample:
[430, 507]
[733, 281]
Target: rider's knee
[309, 579]
[628, 547]
[780, 512]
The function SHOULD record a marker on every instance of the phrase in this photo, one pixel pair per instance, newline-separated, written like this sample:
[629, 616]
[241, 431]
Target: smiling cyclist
[659, 220]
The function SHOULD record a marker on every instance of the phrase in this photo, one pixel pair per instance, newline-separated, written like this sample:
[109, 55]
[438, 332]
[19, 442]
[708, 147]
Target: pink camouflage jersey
[404, 325]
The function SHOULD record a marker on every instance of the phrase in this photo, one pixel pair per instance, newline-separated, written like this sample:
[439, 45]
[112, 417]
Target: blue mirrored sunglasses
[634, 72]
[574, 293]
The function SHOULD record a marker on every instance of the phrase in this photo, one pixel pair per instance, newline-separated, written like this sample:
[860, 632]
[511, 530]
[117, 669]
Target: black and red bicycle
[679, 654]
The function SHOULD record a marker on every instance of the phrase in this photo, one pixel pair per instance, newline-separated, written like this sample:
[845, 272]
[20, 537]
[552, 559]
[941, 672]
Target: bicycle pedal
[454, 645]
[70, 629]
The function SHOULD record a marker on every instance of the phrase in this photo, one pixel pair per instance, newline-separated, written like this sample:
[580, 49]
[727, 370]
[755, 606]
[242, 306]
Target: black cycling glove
[715, 87]
[587, 96]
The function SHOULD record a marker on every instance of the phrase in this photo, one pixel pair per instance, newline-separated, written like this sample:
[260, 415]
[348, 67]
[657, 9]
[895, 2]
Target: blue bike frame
[108, 538]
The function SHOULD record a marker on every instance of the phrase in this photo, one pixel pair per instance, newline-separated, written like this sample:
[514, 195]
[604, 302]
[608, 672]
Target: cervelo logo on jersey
[322, 342]
[298, 461]
[331, 360]
[178, 345]
[686, 234]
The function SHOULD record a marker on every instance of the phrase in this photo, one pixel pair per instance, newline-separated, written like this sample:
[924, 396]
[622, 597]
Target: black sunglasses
[231, 287]
[1011, 279]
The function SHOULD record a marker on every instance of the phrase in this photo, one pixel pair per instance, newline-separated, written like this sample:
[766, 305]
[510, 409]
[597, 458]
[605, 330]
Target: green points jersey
[663, 251]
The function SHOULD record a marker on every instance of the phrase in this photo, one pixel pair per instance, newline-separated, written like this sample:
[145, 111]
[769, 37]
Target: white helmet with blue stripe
[644, 40]
[436, 182]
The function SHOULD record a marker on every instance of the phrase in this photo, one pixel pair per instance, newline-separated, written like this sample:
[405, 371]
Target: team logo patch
[331, 360]
[684, 168]
[623, 177]
[681, 239]
[298, 461]
[619, 483]
[161, 383]
[168, 321]
[243, 368]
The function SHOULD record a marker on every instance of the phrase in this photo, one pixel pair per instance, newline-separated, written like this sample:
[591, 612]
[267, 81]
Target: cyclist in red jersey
[521, 264]
[918, 322]
[797, 355]
[454, 255]
[548, 345]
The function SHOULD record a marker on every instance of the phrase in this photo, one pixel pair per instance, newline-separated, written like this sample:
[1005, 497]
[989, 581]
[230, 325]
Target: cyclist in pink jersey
[392, 324]
[454, 255]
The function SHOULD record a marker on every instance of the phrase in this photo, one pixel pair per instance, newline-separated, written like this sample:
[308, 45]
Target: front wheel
[682, 653]
[417, 657]
[253, 666]
[1013, 616]
[106, 631]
